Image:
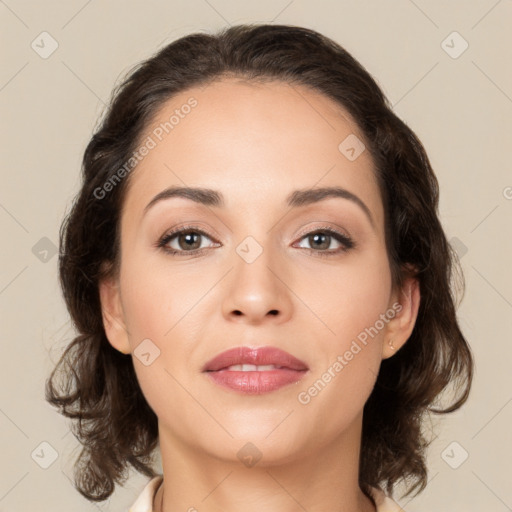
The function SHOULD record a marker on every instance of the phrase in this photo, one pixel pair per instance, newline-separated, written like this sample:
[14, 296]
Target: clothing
[144, 502]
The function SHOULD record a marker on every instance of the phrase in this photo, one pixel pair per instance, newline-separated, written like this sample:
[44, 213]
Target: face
[256, 268]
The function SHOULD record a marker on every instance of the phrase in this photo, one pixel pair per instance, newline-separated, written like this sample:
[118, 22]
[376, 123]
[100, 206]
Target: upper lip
[256, 356]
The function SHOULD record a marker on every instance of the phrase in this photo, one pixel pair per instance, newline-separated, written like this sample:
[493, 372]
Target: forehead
[255, 142]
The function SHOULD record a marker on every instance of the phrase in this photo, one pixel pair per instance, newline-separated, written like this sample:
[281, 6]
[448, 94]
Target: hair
[96, 386]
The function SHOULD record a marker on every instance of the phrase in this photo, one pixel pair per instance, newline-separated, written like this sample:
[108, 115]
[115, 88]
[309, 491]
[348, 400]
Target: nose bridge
[256, 289]
[255, 249]
[253, 259]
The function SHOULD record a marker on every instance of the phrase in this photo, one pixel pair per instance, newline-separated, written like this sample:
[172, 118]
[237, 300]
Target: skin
[256, 143]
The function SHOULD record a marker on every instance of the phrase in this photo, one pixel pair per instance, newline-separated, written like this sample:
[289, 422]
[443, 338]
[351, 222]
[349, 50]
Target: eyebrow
[297, 198]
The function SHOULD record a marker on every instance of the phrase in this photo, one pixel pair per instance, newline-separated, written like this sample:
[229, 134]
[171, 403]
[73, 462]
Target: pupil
[189, 238]
[317, 236]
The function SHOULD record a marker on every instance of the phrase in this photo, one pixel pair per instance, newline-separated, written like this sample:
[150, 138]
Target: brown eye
[187, 240]
[320, 240]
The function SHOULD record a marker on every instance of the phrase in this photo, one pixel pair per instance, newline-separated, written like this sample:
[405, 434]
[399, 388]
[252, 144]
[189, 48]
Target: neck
[323, 479]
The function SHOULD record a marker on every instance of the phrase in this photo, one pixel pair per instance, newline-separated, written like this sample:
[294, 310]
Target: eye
[185, 240]
[321, 239]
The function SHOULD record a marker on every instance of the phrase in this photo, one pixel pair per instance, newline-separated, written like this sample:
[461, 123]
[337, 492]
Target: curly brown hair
[96, 385]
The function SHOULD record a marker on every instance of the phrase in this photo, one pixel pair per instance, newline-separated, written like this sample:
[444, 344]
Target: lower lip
[256, 383]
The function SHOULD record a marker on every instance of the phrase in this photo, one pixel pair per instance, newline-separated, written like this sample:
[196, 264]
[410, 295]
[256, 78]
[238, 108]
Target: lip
[258, 356]
[289, 369]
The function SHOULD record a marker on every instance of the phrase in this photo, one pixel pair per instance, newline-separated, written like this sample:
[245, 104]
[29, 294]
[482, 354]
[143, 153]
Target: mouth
[255, 370]
[252, 367]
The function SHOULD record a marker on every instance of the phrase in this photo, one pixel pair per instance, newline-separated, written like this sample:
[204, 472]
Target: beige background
[460, 108]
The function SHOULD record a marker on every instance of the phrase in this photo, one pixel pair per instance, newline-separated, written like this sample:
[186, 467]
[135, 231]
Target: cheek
[155, 300]
[352, 302]
[159, 311]
[348, 298]
[153, 308]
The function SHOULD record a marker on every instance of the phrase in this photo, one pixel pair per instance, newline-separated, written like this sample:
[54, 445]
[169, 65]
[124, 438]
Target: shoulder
[385, 503]
[144, 502]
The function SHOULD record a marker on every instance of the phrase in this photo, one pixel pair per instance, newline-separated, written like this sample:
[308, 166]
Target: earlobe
[113, 317]
[401, 326]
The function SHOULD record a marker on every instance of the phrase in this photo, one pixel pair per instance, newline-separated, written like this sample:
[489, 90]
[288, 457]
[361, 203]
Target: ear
[405, 304]
[113, 316]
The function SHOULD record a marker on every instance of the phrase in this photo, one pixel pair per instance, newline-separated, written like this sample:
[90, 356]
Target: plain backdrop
[445, 67]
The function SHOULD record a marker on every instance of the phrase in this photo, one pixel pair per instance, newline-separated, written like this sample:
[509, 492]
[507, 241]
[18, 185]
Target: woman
[260, 283]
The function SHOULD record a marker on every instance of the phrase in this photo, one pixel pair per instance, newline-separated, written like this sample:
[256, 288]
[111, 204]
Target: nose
[257, 292]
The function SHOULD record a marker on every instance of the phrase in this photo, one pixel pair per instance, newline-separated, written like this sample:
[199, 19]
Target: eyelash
[346, 241]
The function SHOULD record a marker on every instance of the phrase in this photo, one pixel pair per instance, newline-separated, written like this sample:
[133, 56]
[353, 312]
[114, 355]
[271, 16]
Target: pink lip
[255, 382]
[258, 356]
